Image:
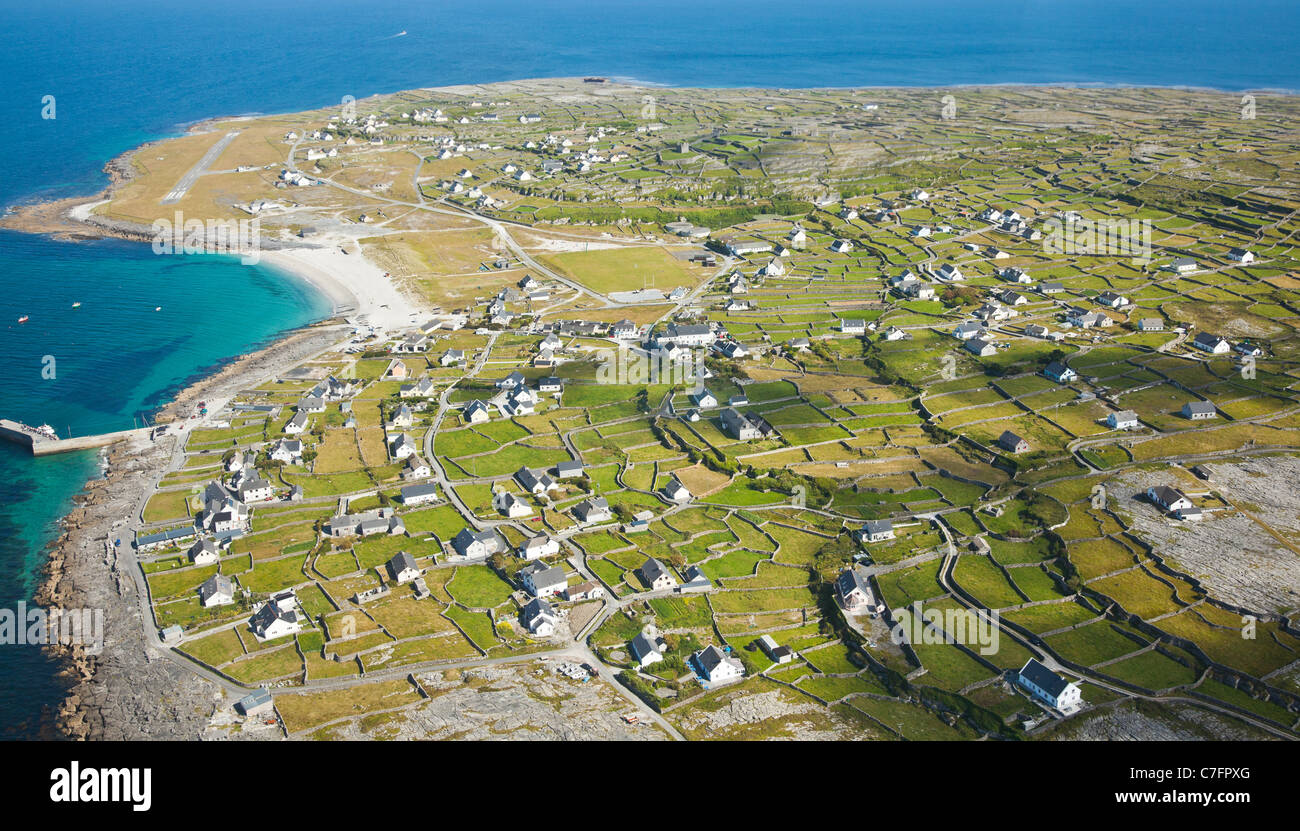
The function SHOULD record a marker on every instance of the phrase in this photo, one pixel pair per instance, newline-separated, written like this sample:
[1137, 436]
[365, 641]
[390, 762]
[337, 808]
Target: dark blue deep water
[126, 72]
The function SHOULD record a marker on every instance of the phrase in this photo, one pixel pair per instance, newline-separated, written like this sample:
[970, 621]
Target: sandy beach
[360, 291]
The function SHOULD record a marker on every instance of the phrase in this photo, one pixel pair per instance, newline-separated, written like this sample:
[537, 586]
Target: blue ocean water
[126, 72]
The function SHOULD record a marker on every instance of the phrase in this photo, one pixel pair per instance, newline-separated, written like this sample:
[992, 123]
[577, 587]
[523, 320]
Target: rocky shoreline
[134, 688]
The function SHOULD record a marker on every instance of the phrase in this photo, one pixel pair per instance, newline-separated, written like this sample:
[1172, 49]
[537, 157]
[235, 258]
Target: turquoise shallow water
[123, 73]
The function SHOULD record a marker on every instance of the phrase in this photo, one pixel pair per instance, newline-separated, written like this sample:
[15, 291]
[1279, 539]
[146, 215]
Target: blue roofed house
[256, 703]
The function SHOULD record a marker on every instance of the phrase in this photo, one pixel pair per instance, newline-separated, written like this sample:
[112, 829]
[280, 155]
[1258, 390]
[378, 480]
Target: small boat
[157, 308]
[22, 319]
[77, 305]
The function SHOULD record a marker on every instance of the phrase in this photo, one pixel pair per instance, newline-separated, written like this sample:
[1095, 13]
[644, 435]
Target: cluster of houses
[514, 397]
[546, 583]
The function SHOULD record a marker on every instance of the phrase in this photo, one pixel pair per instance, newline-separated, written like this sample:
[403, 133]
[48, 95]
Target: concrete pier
[43, 445]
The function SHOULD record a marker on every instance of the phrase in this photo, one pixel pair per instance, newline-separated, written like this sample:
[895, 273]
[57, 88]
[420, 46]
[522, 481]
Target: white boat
[77, 305]
[22, 319]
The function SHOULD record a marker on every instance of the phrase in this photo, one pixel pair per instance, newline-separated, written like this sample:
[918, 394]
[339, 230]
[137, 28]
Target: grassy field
[623, 269]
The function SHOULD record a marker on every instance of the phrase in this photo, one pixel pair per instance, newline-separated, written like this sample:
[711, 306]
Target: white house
[277, 618]
[534, 482]
[1171, 499]
[853, 327]
[853, 592]
[297, 424]
[647, 647]
[510, 505]
[217, 590]
[423, 388]
[403, 446]
[1213, 344]
[876, 530]
[534, 548]
[1049, 687]
[540, 617]
[1122, 420]
[542, 580]
[288, 451]
[595, 509]
[675, 491]
[1013, 443]
[1060, 373]
[716, 666]
[951, 273]
[255, 489]
[475, 545]
[658, 578]
[686, 334]
[568, 470]
[981, 347]
[402, 567]
[416, 468]
[419, 494]
[704, 399]
[204, 552]
[403, 417]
